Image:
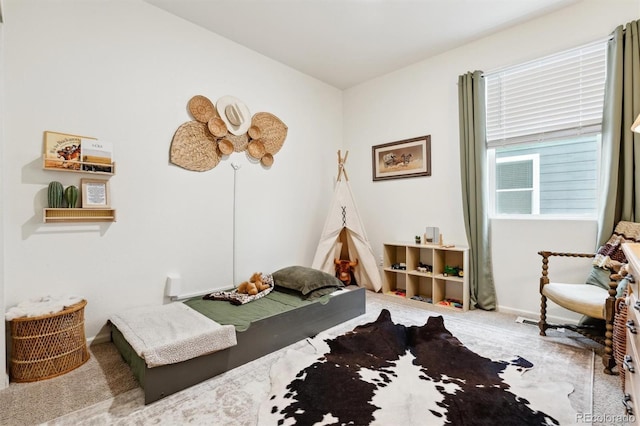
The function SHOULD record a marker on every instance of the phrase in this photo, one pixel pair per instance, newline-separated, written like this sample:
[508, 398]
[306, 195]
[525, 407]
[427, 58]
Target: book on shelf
[97, 156]
[62, 150]
[74, 152]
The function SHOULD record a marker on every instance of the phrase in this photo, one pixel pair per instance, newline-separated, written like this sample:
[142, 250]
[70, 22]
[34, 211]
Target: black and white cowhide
[390, 374]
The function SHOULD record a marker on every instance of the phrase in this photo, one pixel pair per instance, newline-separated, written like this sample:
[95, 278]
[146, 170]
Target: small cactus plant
[55, 194]
[71, 195]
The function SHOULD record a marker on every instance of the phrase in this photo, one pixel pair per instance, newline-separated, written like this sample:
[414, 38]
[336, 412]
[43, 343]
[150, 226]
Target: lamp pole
[235, 173]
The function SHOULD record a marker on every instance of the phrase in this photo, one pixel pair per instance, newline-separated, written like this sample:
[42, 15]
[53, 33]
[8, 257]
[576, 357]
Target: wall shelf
[78, 215]
[74, 166]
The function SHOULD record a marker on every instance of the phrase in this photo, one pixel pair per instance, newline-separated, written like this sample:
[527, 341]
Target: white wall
[4, 378]
[423, 99]
[123, 71]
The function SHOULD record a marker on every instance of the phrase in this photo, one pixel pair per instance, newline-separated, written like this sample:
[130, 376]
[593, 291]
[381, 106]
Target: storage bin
[49, 345]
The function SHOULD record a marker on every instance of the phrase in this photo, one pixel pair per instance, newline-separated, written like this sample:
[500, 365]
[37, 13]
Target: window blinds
[549, 98]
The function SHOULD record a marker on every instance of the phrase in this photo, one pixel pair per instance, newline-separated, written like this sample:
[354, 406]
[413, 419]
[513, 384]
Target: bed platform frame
[261, 338]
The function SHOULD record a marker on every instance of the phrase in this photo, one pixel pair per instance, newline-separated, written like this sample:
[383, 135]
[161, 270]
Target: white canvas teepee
[344, 236]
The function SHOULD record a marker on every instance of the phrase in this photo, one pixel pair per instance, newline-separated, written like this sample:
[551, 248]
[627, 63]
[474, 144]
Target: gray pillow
[601, 277]
[303, 279]
[317, 294]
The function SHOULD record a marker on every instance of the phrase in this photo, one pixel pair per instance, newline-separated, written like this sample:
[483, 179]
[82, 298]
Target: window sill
[542, 217]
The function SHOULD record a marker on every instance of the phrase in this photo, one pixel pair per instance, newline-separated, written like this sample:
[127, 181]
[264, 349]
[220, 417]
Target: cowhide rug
[383, 373]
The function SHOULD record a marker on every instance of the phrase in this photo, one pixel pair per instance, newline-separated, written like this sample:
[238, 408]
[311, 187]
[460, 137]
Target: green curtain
[473, 158]
[620, 166]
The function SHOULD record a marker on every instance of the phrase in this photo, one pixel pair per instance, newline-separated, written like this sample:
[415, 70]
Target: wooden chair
[586, 299]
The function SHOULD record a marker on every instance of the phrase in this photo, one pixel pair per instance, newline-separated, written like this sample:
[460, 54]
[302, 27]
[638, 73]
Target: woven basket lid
[272, 131]
[225, 146]
[194, 148]
[201, 108]
[217, 127]
[239, 142]
[267, 160]
[256, 149]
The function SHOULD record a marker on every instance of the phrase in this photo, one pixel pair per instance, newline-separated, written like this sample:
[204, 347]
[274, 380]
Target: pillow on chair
[600, 277]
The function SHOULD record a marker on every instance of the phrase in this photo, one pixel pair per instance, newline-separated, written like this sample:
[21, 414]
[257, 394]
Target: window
[517, 182]
[543, 134]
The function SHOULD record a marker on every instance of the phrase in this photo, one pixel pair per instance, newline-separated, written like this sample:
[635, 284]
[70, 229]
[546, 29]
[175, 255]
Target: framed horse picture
[402, 159]
[63, 151]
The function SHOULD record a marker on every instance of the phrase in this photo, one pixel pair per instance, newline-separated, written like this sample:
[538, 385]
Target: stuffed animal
[253, 286]
[257, 280]
[247, 288]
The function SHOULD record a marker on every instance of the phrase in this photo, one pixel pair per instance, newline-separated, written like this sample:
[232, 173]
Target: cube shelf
[427, 272]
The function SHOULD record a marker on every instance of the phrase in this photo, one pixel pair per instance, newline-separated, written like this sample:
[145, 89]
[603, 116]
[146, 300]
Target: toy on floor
[254, 285]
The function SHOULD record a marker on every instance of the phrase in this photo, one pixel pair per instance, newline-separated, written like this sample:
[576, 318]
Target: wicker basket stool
[49, 345]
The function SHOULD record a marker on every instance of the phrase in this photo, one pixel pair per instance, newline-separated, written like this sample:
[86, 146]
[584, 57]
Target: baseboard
[99, 338]
[4, 381]
[551, 319]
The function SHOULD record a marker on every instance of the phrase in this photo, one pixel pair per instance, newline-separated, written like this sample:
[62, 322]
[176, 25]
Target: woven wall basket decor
[240, 142]
[201, 108]
[200, 145]
[270, 130]
[194, 148]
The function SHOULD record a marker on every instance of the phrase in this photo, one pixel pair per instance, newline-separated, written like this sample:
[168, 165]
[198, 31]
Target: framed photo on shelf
[63, 150]
[402, 159]
[95, 193]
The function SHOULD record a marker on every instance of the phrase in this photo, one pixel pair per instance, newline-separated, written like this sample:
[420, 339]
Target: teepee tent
[344, 236]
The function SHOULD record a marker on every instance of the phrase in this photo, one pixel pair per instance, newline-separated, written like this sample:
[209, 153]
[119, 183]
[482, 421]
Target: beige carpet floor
[103, 392]
[102, 377]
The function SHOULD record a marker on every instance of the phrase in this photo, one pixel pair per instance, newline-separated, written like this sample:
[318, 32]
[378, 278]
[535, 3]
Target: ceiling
[347, 42]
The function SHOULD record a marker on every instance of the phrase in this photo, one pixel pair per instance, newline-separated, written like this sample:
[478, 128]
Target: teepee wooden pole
[341, 169]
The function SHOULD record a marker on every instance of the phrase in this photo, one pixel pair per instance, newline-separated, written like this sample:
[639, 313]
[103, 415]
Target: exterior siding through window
[568, 174]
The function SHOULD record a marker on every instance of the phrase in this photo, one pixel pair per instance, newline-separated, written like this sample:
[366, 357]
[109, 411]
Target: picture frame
[402, 159]
[95, 193]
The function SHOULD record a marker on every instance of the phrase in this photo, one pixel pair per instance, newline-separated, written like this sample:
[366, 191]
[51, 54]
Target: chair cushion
[581, 298]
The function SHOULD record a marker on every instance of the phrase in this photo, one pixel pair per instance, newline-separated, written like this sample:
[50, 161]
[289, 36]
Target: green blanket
[241, 316]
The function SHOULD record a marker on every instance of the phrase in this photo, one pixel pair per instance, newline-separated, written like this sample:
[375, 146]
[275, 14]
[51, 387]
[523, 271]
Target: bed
[295, 317]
